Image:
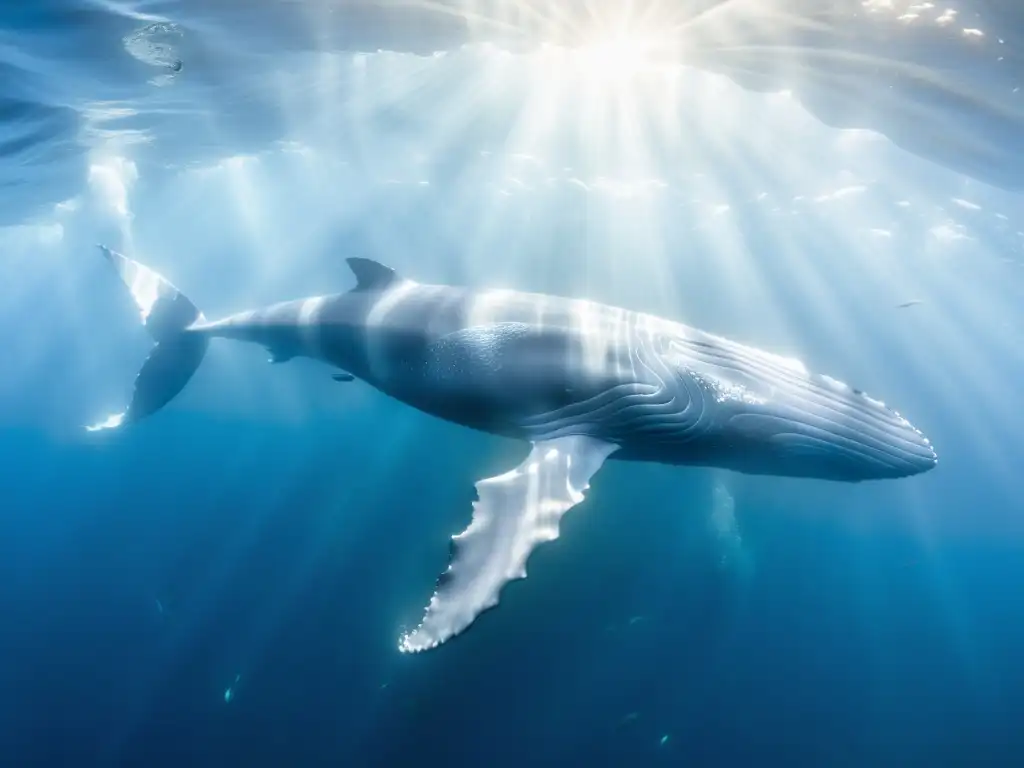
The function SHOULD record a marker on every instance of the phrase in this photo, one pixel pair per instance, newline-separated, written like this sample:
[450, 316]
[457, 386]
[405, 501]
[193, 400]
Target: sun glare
[609, 60]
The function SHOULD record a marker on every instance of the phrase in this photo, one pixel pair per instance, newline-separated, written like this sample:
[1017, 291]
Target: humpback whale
[581, 382]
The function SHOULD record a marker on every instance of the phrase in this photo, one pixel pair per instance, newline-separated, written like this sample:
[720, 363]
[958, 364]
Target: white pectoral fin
[515, 512]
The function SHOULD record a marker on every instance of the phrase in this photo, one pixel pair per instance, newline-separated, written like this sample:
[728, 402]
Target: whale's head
[823, 428]
[772, 416]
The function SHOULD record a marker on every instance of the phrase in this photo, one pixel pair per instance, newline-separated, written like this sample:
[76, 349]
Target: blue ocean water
[226, 583]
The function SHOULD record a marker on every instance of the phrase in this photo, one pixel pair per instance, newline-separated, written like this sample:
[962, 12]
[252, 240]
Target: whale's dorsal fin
[515, 512]
[371, 275]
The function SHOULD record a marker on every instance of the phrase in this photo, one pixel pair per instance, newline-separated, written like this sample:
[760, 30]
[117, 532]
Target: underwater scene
[499, 383]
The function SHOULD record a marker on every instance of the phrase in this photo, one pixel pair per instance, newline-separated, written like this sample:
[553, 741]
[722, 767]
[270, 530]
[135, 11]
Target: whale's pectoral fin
[515, 512]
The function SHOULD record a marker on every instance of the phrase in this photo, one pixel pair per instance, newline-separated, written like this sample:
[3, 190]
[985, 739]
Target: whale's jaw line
[841, 456]
[791, 466]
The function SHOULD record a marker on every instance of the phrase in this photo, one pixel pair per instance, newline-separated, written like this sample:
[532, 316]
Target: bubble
[157, 45]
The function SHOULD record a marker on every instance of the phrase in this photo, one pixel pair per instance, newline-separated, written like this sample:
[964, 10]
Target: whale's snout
[861, 437]
[903, 448]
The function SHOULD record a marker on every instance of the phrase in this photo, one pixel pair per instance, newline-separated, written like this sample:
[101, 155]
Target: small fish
[343, 377]
[664, 740]
[911, 303]
[229, 693]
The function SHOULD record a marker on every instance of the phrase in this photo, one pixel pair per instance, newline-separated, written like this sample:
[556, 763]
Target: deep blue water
[786, 174]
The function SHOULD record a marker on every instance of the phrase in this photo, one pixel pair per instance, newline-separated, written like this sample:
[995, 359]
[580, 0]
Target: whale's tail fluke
[167, 314]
